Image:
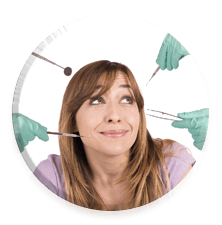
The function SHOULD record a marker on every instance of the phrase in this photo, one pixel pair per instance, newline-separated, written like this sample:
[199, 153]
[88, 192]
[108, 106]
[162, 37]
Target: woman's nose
[114, 121]
[113, 114]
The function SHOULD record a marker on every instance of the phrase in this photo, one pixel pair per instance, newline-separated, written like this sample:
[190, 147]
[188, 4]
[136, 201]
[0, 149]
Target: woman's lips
[114, 133]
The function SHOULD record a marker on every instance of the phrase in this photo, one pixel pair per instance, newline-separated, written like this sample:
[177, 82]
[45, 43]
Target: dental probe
[65, 134]
[154, 74]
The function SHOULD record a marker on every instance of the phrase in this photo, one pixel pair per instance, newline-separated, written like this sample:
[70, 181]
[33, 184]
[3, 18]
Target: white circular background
[128, 40]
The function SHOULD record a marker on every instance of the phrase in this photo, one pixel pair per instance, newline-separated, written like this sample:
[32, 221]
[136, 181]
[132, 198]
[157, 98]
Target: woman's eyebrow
[121, 86]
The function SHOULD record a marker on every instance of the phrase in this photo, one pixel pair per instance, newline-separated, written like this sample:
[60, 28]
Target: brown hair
[146, 182]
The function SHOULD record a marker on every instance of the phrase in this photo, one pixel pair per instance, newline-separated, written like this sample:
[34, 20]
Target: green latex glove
[170, 53]
[197, 124]
[26, 130]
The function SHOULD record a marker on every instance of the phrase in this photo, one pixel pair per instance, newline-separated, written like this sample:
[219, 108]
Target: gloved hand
[170, 53]
[197, 124]
[26, 130]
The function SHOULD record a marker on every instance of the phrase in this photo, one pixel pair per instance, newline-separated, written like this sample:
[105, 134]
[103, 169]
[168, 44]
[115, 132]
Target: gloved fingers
[21, 140]
[161, 59]
[194, 131]
[201, 123]
[199, 138]
[20, 130]
[176, 55]
[199, 131]
[182, 56]
[15, 116]
[167, 39]
[41, 133]
[182, 124]
[28, 134]
[180, 50]
[19, 145]
[19, 123]
[25, 128]
[169, 65]
[175, 64]
[173, 55]
[197, 113]
[170, 53]
[16, 128]
[31, 128]
[192, 123]
[183, 51]
[175, 60]
[169, 58]
[24, 139]
[198, 145]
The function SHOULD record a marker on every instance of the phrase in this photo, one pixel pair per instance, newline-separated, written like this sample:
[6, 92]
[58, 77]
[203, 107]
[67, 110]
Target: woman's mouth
[114, 133]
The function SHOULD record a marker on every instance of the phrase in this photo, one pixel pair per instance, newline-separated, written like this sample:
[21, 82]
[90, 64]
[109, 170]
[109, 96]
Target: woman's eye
[96, 101]
[128, 100]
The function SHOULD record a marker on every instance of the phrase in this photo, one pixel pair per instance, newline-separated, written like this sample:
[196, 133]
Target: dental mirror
[67, 70]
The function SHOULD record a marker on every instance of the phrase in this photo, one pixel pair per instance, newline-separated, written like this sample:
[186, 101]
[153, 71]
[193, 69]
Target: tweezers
[65, 134]
[163, 113]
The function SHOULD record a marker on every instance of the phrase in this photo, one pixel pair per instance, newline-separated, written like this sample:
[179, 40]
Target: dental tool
[154, 74]
[67, 70]
[163, 113]
[65, 134]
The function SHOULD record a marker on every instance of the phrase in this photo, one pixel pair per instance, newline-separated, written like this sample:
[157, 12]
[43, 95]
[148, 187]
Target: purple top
[50, 172]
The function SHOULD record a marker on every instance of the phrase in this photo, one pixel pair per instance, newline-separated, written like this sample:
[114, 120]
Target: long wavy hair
[146, 182]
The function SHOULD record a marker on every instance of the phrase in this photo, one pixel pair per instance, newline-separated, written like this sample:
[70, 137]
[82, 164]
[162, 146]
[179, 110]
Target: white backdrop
[129, 40]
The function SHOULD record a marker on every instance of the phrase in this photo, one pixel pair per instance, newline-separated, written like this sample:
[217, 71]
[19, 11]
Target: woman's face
[112, 120]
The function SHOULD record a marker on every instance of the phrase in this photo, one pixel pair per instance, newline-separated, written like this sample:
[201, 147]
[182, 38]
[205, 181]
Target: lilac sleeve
[50, 174]
[45, 173]
[178, 164]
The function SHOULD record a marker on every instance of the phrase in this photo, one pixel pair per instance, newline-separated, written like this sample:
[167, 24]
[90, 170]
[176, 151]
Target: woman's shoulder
[52, 162]
[48, 172]
[173, 149]
[178, 159]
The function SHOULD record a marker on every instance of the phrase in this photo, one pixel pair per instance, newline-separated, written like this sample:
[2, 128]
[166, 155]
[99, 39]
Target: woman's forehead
[121, 82]
[120, 77]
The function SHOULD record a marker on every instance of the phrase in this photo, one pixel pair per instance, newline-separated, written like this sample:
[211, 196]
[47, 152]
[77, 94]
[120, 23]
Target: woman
[120, 166]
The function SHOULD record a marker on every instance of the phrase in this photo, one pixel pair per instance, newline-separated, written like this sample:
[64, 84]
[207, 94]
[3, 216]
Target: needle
[67, 70]
[65, 134]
